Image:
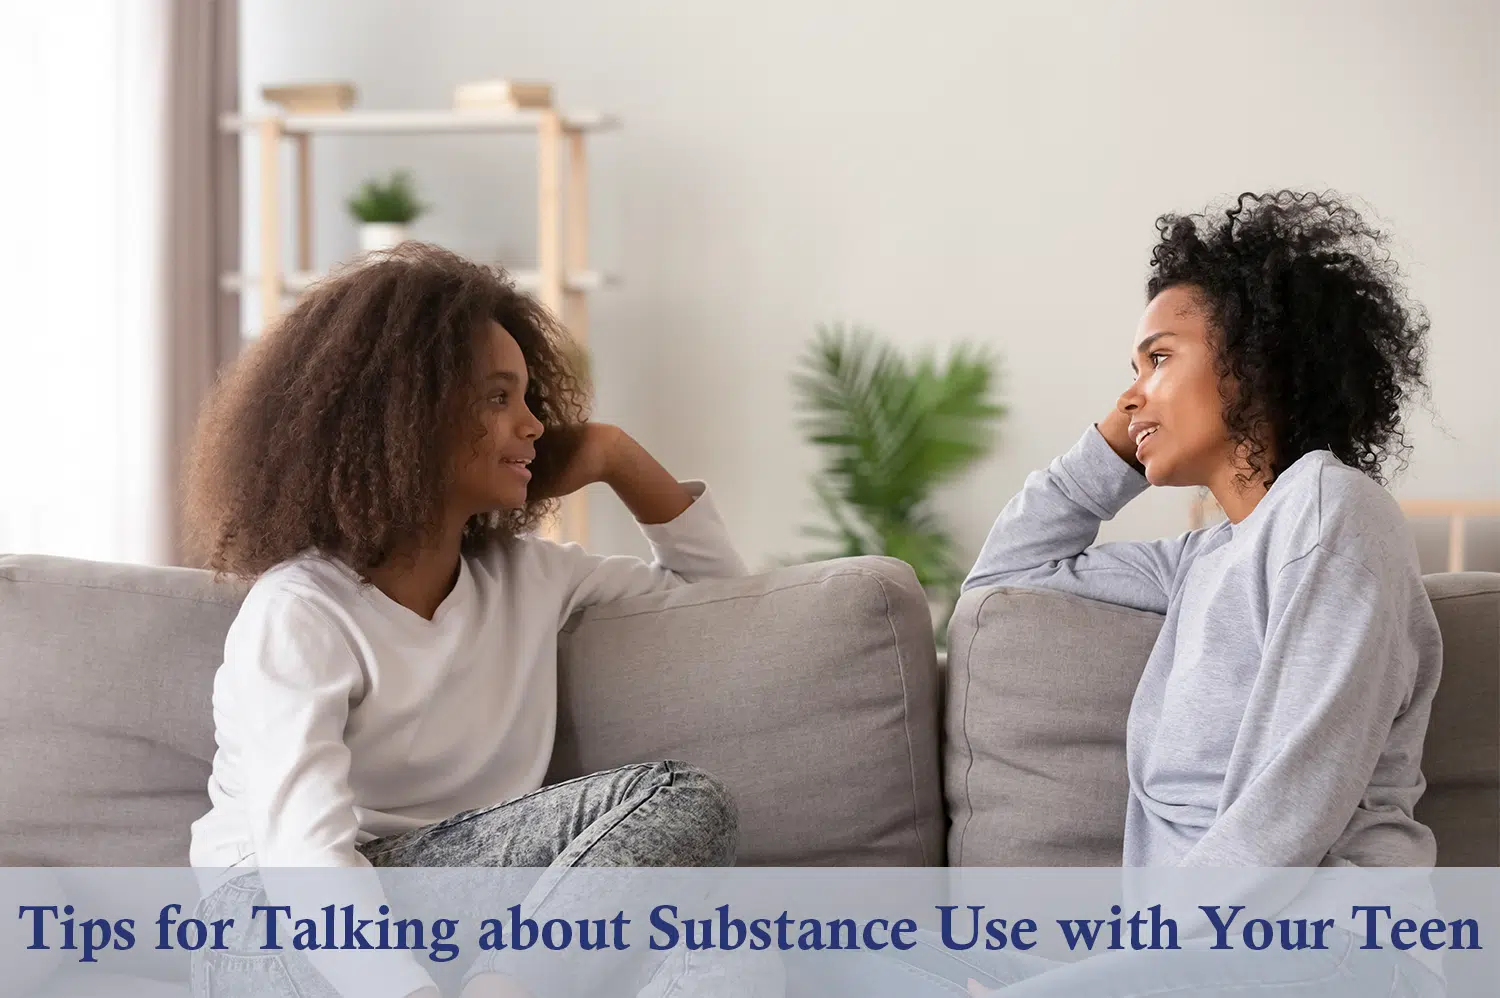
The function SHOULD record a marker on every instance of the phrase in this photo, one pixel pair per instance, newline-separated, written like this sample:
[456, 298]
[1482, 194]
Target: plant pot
[377, 236]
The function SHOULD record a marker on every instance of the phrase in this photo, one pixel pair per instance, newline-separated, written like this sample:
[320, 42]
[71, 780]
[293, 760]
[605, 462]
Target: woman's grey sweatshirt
[1281, 715]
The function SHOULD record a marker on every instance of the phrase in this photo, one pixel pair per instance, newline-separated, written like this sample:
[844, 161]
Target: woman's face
[1174, 403]
[493, 473]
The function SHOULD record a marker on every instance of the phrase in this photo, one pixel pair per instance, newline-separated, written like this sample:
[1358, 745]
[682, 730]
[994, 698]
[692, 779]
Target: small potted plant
[384, 210]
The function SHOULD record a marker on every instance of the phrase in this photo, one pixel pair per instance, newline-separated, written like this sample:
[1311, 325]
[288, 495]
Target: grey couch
[814, 691]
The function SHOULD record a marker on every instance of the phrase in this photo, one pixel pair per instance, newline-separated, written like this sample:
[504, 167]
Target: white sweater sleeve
[288, 677]
[692, 548]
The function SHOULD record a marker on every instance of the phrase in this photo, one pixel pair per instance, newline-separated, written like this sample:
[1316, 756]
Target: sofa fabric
[1039, 687]
[108, 672]
[1461, 758]
[812, 691]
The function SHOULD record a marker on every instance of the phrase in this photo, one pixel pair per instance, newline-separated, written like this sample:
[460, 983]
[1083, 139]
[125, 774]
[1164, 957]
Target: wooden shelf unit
[1456, 512]
[561, 279]
[296, 281]
[353, 122]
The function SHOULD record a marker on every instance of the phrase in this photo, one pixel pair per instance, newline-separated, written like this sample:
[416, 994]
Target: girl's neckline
[378, 598]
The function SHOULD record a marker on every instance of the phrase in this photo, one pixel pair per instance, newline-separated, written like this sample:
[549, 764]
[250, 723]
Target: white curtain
[119, 213]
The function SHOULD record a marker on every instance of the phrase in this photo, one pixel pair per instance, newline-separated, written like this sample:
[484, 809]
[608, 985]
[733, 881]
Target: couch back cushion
[106, 720]
[1039, 688]
[1461, 758]
[812, 691]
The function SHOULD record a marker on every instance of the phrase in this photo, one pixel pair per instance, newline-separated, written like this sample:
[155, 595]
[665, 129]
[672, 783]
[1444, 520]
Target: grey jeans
[648, 815]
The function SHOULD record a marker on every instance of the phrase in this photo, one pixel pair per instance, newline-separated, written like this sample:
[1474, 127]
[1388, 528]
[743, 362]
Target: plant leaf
[393, 200]
[892, 431]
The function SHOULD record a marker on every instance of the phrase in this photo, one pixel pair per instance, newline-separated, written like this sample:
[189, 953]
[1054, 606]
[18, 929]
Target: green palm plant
[892, 430]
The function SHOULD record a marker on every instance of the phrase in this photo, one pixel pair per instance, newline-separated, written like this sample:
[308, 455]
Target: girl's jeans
[648, 815]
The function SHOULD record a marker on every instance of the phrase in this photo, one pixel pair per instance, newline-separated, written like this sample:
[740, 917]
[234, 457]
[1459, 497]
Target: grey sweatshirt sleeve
[1330, 747]
[1042, 537]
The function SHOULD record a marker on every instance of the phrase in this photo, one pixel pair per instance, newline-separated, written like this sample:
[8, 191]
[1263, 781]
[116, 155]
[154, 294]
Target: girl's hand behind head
[583, 455]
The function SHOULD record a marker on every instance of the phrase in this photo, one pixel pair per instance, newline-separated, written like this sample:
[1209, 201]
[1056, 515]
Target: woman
[388, 690]
[1299, 653]
[1281, 715]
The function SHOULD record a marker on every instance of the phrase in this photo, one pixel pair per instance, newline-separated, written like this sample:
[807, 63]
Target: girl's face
[493, 473]
[1174, 403]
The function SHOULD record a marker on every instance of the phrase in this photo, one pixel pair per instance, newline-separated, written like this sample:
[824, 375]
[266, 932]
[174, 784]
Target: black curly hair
[1313, 327]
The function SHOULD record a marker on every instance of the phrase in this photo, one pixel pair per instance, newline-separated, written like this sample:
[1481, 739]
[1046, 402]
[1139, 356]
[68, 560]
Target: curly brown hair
[335, 431]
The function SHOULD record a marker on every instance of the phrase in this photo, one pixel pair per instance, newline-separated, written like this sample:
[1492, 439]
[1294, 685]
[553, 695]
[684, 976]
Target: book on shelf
[502, 94]
[311, 98]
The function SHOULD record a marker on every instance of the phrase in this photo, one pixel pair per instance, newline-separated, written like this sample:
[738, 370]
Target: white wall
[940, 171]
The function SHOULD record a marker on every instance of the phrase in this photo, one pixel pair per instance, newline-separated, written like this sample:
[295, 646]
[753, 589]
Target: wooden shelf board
[528, 280]
[415, 122]
[1450, 507]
